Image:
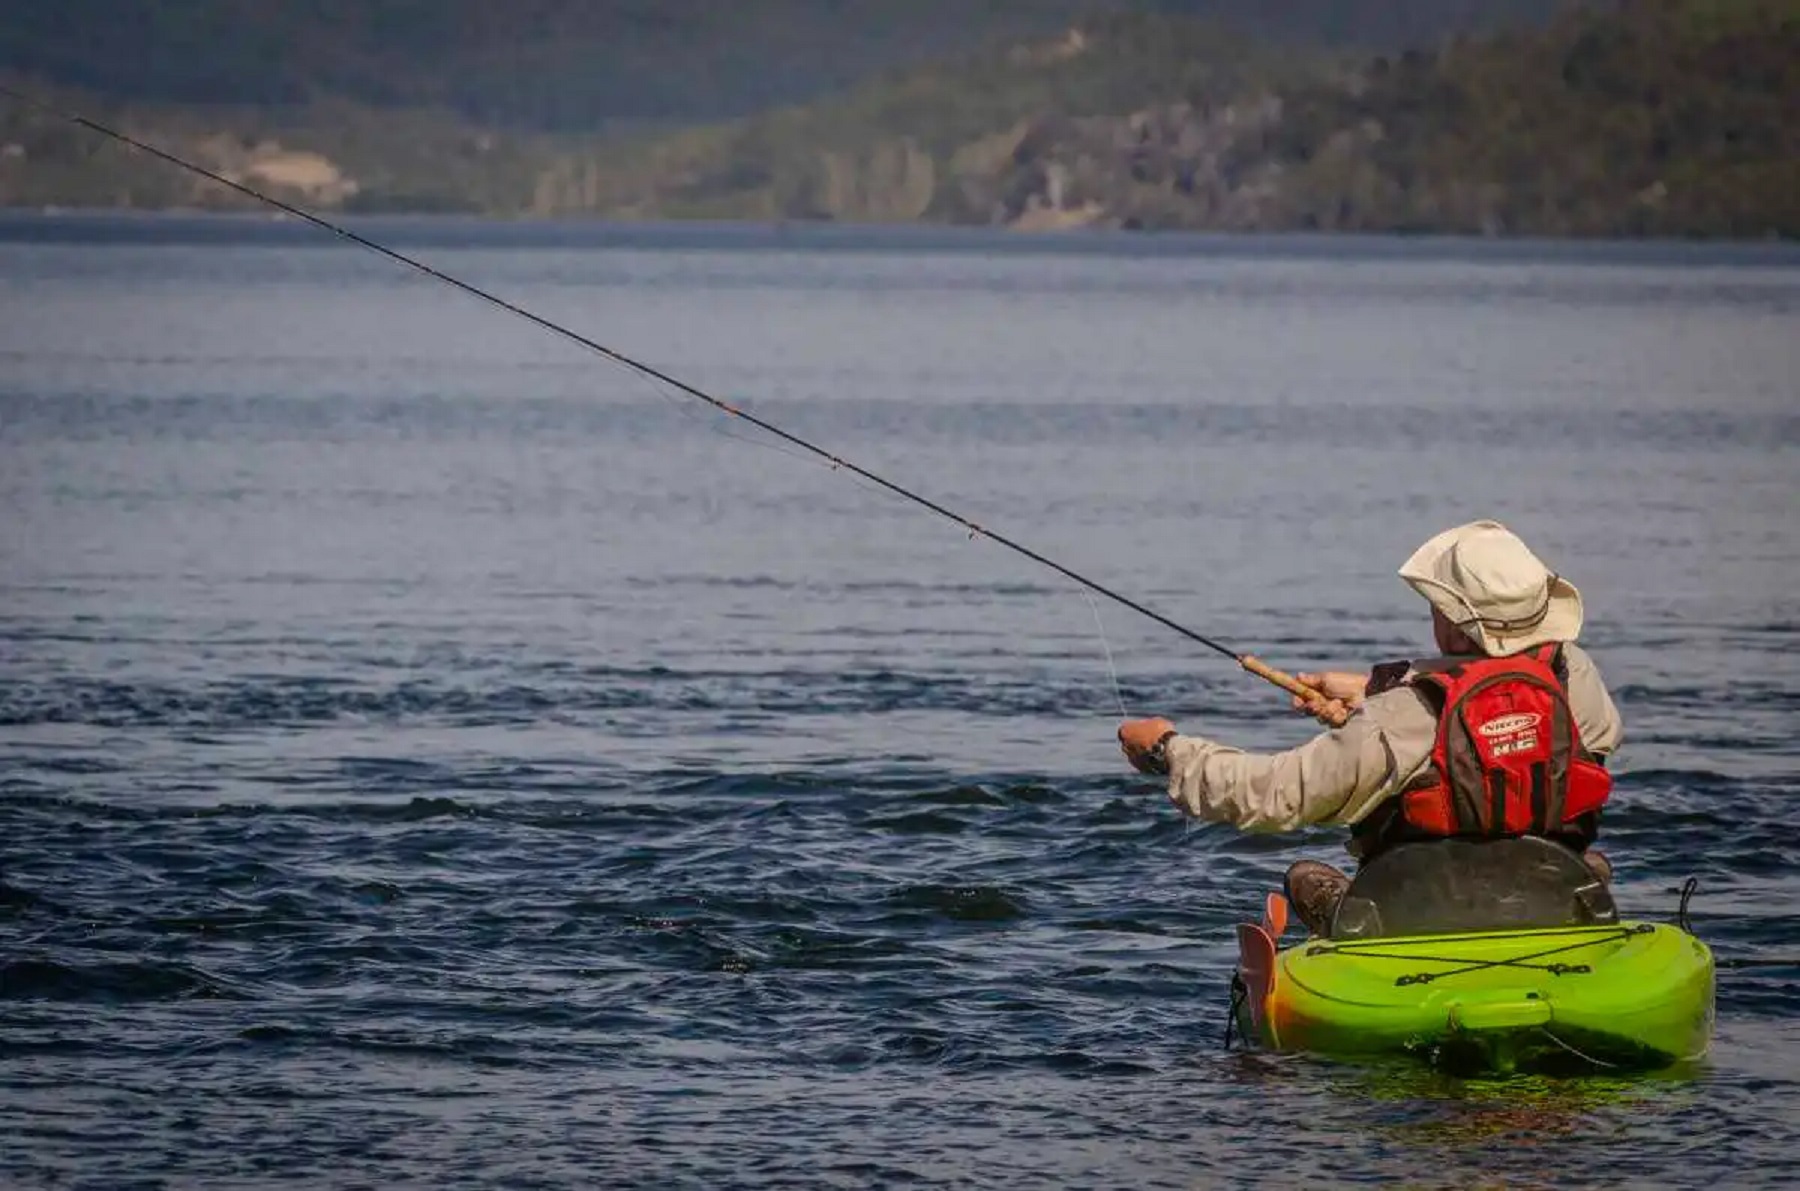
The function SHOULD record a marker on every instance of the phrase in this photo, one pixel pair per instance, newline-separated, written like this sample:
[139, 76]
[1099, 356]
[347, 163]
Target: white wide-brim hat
[1491, 586]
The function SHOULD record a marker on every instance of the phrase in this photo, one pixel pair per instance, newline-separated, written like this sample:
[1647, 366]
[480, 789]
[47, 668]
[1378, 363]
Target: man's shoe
[1314, 889]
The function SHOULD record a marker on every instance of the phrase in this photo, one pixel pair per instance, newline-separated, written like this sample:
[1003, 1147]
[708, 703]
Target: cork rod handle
[1329, 711]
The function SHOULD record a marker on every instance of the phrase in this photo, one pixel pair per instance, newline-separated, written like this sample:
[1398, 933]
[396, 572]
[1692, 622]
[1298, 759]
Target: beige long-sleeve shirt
[1339, 776]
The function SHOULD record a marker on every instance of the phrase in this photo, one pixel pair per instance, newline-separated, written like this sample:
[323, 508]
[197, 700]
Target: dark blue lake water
[433, 756]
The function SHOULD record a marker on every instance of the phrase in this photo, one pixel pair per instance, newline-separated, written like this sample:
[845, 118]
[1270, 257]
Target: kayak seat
[1455, 885]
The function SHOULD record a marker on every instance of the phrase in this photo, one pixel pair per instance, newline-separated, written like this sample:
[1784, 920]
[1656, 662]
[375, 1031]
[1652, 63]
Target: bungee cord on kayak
[1370, 950]
[1322, 707]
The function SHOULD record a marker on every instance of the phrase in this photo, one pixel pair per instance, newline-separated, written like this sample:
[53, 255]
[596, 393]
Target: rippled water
[432, 756]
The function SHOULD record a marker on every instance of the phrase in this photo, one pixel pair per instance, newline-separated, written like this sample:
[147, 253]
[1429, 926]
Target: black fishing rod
[1286, 682]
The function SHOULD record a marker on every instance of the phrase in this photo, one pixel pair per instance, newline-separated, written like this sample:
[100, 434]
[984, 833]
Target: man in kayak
[1502, 735]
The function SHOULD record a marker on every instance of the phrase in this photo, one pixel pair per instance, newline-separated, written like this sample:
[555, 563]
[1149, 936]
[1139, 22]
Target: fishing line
[722, 429]
[1111, 669]
[1247, 661]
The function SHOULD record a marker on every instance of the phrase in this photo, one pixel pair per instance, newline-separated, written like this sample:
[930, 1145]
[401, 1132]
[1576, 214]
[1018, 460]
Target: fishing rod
[1315, 700]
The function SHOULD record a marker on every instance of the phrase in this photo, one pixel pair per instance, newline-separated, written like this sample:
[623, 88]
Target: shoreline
[175, 225]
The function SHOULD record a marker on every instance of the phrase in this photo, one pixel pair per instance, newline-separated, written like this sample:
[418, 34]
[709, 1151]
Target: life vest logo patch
[1509, 734]
[1508, 725]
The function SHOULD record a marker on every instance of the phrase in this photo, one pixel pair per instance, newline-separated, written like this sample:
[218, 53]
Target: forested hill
[575, 65]
[1643, 117]
[1633, 117]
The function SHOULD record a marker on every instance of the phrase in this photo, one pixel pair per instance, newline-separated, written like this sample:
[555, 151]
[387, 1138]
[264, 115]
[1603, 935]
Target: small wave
[418, 810]
[109, 983]
[962, 903]
[921, 823]
[14, 900]
[963, 796]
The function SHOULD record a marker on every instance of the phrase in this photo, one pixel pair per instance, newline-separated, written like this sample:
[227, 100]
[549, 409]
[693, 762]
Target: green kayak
[1552, 980]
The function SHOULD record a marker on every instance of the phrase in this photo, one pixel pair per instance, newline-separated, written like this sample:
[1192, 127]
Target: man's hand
[1138, 740]
[1343, 693]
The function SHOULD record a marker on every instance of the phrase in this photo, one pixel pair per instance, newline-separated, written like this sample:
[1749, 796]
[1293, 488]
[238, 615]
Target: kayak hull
[1632, 995]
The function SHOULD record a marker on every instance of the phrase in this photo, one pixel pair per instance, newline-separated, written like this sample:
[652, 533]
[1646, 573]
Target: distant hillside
[571, 65]
[937, 143]
[1638, 117]
[435, 158]
[1648, 117]
[1652, 117]
[575, 65]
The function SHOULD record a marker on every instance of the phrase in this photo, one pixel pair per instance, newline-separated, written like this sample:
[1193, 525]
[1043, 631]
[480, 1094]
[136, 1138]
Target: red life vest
[1508, 759]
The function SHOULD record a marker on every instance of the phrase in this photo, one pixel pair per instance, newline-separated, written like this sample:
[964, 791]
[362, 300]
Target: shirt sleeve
[1335, 778]
[1596, 718]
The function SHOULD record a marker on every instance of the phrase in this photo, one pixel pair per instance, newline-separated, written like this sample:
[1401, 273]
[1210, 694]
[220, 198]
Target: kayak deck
[1634, 994]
